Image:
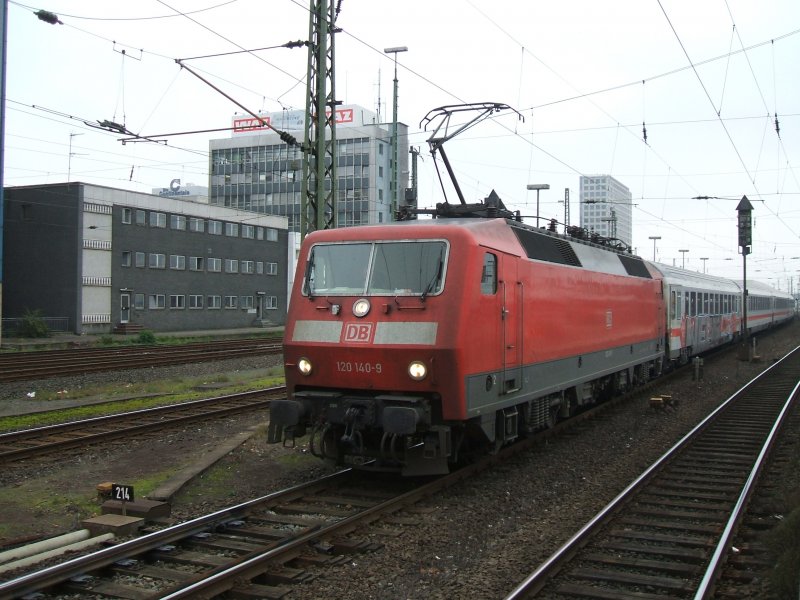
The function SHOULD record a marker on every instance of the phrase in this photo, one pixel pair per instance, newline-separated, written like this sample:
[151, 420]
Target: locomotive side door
[511, 313]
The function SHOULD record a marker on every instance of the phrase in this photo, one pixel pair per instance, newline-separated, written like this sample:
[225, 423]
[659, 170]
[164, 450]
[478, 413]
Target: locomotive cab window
[407, 268]
[489, 274]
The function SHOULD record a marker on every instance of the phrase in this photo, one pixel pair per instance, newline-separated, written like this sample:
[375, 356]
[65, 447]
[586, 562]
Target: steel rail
[536, 580]
[27, 365]
[706, 587]
[33, 582]
[154, 418]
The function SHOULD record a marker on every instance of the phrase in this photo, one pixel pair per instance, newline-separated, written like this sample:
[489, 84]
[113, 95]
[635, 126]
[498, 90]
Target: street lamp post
[704, 259]
[538, 187]
[394, 170]
[683, 252]
[745, 225]
[654, 238]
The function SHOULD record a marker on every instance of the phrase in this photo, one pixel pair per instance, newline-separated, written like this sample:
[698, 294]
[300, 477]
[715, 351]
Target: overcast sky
[706, 78]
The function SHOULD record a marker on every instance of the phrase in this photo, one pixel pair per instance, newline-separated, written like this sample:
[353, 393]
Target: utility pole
[654, 238]
[395, 171]
[318, 200]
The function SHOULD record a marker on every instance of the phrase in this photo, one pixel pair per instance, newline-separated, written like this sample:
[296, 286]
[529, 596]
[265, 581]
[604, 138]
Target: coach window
[673, 304]
[693, 304]
[489, 274]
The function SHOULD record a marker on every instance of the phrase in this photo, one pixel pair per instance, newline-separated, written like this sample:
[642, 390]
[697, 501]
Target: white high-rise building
[606, 207]
[255, 170]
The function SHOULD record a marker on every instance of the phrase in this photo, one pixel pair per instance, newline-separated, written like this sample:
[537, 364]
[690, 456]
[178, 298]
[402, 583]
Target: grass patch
[107, 400]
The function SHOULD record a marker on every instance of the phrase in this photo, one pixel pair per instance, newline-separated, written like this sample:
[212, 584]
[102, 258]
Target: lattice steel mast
[318, 201]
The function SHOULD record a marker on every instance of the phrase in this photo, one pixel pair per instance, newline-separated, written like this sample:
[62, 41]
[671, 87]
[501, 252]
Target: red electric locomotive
[415, 342]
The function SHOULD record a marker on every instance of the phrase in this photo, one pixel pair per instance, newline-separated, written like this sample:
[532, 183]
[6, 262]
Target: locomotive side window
[489, 274]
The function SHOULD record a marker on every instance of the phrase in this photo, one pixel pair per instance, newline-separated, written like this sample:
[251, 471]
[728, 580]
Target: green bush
[106, 340]
[146, 337]
[33, 325]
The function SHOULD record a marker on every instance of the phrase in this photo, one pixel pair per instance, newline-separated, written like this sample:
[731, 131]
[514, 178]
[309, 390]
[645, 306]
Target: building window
[231, 265]
[232, 229]
[214, 265]
[248, 231]
[140, 259]
[271, 302]
[195, 263]
[246, 302]
[156, 301]
[138, 301]
[177, 301]
[215, 227]
[272, 268]
[260, 233]
[272, 234]
[158, 219]
[259, 267]
[127, 215]
[176, 261]
[177, 222]
[195, 301]
[126, 258]
[248, 267]
[215, 302]
[198, 225]
[231, 301]
[158, 261]
[141, 217]
[380, 171]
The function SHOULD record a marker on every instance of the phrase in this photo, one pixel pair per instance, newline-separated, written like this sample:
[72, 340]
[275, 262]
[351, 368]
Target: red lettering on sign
[250, 124]
[357, 333]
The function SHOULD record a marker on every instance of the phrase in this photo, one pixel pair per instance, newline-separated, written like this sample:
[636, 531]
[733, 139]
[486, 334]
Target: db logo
[358, 333]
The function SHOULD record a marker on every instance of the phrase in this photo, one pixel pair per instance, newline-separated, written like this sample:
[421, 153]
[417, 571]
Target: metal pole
[393, 187]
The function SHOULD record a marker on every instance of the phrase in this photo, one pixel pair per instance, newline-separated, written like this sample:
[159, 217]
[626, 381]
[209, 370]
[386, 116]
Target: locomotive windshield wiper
[307, 279]
[436, 278]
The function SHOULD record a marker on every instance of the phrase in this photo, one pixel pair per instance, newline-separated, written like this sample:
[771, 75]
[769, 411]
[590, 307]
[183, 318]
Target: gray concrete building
[106, 259]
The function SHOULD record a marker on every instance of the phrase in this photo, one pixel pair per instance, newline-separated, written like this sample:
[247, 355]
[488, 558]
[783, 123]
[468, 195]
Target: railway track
[668, 534]
[21, 366]
[259, 549]
[28, 443]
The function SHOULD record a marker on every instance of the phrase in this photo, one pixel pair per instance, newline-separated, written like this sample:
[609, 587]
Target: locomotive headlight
[417, 370]
[361, 307]
[304, 366]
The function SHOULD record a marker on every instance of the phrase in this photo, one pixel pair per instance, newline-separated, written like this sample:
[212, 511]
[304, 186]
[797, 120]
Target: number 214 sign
[122, 492]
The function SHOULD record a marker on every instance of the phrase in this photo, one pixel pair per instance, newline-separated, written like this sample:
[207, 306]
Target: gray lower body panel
[484, 392]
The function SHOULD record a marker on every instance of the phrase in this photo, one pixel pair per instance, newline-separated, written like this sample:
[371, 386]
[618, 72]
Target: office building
[108, 259]
[254, 170]
[606, 207]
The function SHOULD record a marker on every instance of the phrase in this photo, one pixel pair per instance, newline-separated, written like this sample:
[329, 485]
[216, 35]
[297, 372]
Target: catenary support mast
[318, 200]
